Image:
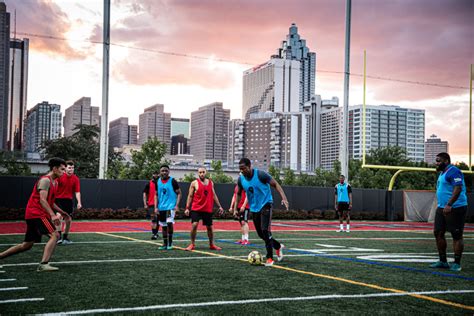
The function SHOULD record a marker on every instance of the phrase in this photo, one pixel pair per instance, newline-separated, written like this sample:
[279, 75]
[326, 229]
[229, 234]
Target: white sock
[243, 237]
[341, 226]
[348, 226]
[246, 237]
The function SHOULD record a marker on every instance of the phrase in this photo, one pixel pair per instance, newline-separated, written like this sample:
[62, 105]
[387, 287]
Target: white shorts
[166, 217]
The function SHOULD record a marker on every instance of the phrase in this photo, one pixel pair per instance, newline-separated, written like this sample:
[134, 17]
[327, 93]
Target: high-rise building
[209, 128]
[180, 126]
[4, 73]
[120, 133]
[18, 87]
[294, 48]
[155, 123]
[236, 142]
[434, 146]
[272, 86]
[179, 145]
[388, 125]
[43, 122]
[80, 113]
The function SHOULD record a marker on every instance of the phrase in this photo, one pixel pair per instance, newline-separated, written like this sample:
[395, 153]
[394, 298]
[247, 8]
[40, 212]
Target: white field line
[215, 258]
[22, 300]
[7, 280]
[282, 239]
[3, 289]
[254, 301]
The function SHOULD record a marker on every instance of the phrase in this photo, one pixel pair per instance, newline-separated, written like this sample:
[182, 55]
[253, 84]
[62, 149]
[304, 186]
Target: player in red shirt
[69, 186]
[149, 193]
[202, 196]
[40, 217]
[242, 216]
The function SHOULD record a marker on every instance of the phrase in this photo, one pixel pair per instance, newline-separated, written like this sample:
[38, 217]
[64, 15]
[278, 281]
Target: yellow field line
[324, 276]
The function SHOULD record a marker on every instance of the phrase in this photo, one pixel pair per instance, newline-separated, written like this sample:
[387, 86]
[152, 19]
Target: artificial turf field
[378, 268]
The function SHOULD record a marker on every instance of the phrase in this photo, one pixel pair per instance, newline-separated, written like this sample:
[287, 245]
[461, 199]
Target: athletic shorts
[204, 216]
[36, 227]
[343, 207]
[67, 205]
[150, 214]
[243, 217]
[452, 222]
[166, 217]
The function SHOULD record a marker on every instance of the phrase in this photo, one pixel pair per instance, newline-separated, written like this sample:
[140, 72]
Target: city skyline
[410, 41]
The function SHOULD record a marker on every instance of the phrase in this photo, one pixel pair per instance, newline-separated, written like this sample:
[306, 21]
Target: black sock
[442, 258]
[154, 231]
[170, 239]
[457, 259]
[44, 262]
[65, 236]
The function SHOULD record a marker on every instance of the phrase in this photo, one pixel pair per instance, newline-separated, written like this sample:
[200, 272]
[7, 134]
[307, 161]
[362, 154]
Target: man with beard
[166, 205]
[202, 196]
[451, 211]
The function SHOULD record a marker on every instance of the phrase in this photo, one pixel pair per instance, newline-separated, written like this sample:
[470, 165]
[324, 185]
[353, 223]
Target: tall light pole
[104, 122]
[344, 153]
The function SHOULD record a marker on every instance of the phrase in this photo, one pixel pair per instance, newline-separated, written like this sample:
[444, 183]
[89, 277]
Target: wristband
[449, 204]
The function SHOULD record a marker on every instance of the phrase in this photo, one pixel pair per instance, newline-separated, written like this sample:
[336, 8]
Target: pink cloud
[44, 18]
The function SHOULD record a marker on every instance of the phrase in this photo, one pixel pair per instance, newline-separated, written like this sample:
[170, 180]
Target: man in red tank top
[149, 193]
[202, 196]
[40, 217]
[69, 187]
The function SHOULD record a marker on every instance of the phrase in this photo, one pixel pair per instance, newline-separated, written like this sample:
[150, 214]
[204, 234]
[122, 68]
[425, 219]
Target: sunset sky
[428, 41]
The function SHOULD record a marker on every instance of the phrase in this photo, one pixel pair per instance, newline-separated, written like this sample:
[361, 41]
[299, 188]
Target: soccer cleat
[169, 248]
[163, 248]
[348, 231]
[279, 252]
[456, 267]
[245, 242]
[239, 242]
[46, 267]
[67, 242]
[440, 265]
[214, 247]
[59, 242]
[340, 230]
[154, 237]
[269, 262]
[190, 247]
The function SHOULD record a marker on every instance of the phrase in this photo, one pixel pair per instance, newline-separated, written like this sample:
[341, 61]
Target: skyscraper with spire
[294, 48]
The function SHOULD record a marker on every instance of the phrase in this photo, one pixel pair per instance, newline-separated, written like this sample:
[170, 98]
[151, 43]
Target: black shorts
[67, 205]
[150, 214]
[452, 222]
[343, 207]
[244, 217]
[204, 216]
[37, 227]
[166, 217]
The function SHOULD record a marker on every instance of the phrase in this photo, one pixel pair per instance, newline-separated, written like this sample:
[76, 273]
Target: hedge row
[124, 213]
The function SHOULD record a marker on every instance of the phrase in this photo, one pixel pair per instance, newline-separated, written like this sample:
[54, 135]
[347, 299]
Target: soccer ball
[255, 258]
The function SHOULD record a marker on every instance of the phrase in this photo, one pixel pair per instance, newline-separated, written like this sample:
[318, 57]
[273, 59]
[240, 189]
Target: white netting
[419, 206]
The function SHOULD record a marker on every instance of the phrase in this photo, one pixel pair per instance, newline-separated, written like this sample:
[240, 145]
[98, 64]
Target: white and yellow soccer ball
[255, 258]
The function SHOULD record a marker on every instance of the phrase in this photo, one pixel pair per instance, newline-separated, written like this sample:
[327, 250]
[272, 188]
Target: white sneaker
[340, 230]
[279, 252]
[348, 231]
[46, 267]
[66, 242]
[59, 242]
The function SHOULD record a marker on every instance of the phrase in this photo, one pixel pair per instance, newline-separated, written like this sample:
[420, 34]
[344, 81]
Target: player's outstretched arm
[277, 186]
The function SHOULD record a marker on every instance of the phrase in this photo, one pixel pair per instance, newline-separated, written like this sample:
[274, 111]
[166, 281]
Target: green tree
[189, 177]
[83, 148]
[217, 175]
[147, 160]
[275, 173]
[289, 177]
[12, 166]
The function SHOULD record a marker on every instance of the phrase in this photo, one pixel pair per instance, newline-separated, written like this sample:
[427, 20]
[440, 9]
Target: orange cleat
[214, 247]
[190, 247]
